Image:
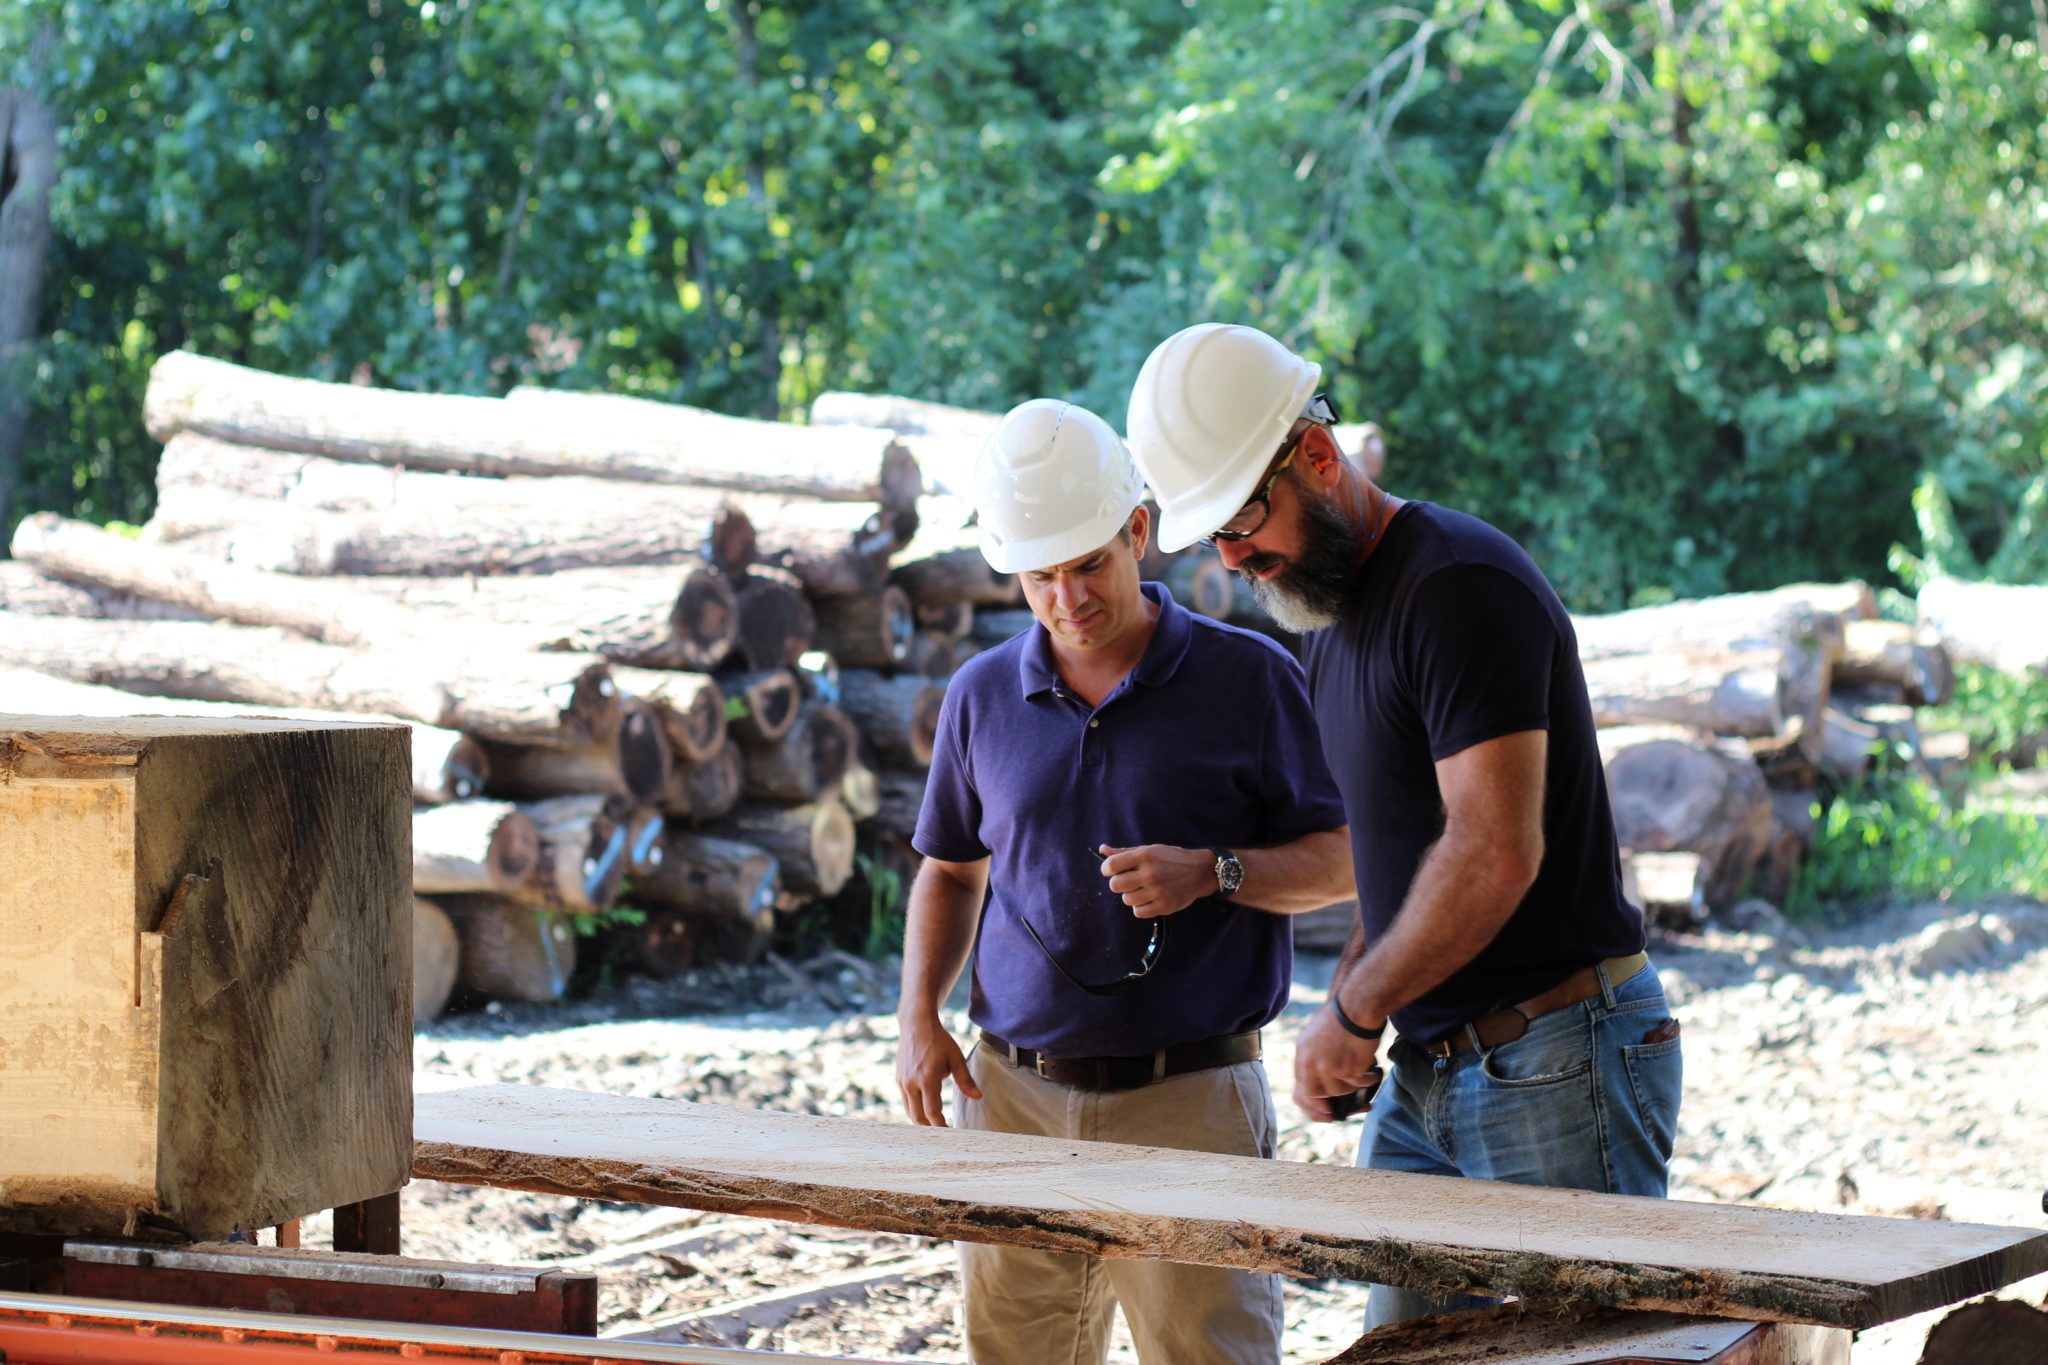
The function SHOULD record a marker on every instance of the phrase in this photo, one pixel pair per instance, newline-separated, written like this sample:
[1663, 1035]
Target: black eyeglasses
[1250, 517]
[1148, 957]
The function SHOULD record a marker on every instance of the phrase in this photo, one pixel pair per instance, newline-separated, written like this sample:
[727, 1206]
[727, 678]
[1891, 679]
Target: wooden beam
[1321, 1221]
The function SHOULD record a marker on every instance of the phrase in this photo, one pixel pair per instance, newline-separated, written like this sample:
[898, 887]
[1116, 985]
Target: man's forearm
[938, 935]
[1307, 874]
[1463, 893]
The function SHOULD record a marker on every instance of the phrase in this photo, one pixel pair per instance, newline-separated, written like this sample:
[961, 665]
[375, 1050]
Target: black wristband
[1371, 1035]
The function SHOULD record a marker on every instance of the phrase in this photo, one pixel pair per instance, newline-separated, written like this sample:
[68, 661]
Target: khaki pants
[1027, 1307]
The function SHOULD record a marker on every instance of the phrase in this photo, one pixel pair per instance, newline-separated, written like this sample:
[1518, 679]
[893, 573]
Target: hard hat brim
[1028, 556]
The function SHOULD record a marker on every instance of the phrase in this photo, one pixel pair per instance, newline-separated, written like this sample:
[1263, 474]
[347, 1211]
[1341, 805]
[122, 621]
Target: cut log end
[706, 617]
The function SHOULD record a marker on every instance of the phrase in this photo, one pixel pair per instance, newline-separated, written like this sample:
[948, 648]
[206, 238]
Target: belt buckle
[1038, 1061]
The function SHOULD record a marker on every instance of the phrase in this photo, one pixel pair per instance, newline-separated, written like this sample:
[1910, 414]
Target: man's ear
[1140, 526]
[1321, 457]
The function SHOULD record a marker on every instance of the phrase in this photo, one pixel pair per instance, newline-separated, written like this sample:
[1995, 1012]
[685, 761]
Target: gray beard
[1313, 590]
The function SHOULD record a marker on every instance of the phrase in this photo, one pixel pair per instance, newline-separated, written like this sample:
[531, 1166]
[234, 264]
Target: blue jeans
[1580, 1101]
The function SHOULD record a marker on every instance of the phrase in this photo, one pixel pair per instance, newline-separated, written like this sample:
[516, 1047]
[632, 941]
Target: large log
[1682, 790]
[709, 877]
[541, 434]
[776, 623]
[899, 716]
[635, 761]
[485, 847]
[706, 790]
[689, 706]
[899, 796]
[584, 854]
[764, 705]
[447, 765]
[992, 628]
[31, 592]
[813, 844]
[805, 764]
[935, 656]
[944, 439]
[1998, 625]
[511, 695]
[1743, 692]
[511, 950]
[872, 630]
[1894, 654]
[1199, 582]
[436, 960]
[1809, 613]
[1313, 1220]
[438, 525]
[944, 562]
[1545, 1334]
[204, 973]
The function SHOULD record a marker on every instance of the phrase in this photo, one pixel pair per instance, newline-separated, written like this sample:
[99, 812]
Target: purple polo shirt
[1210, 742]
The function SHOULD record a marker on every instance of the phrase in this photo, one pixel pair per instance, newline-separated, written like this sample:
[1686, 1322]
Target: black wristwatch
[1229, 873]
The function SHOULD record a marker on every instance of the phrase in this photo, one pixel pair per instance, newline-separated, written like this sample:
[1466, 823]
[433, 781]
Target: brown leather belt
[1506, 1025]
[1128, 1073]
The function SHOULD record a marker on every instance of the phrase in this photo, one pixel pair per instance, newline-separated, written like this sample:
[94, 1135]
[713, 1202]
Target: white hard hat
[1210, 409]
[1052, 482]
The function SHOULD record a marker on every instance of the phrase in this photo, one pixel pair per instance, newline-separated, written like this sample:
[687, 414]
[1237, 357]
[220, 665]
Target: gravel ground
[1889, 1067]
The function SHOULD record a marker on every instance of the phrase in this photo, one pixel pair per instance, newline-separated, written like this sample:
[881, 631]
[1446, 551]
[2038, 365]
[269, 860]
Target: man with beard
[1125, 803]
[1534, 1043]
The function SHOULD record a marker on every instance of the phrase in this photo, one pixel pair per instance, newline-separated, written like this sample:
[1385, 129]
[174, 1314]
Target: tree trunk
[1997, 625]
[1808, 613]
[634, 762]
[1738, 693]
[1680, 790]
[446, 764]
[28, 591]
[898, 715]
[905, 416]
[812, 844]
[436, 959]
[704, 791]
[28, 172]
[899, 798]
[689, 706]
[583, 852]
[1895, 654]
[776, 623]
[1199, 582]
[765, 704]
[870, 631]
[539, 434]
[713, 878]
[510, 950]
[807, 763]
[485, 847]
[534, 698]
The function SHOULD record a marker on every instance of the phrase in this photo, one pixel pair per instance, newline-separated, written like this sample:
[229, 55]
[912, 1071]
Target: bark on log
[704, 791]
[438, 525]
[805, 764]
[609, 438]
[29, 160]
[1199, 582]
[899, 716]
[29, 591]
[951, 619]
[1995, 1332]
[937, 577]
[933, 656]
[447, 765]
[813, 844]
[511, 950]
[713, 878]
[634, 762]
[1537, 1333]
[1740, 693]
[899, 796]
[1998, 625]
[764, 705]
[776, 621]
[436, 960]
[584, 857]
[1894, 654]
[689, 706]
[1799, 613]
[482, 847]
[534, 698]
[1678, 790]
[872, 630]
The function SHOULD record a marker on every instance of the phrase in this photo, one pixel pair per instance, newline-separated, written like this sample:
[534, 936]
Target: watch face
[1229, 874]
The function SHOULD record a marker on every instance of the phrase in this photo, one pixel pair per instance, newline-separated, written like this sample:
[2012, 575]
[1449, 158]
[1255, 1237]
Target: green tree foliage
[1689, 296]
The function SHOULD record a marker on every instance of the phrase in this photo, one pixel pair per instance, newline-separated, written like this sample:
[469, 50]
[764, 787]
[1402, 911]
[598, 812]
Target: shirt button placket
[1092, 746]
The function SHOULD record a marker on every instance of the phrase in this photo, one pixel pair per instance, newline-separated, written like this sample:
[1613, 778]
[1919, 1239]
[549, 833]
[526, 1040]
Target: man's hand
[925, 1056]
[1159, 879]
[1329, 1061]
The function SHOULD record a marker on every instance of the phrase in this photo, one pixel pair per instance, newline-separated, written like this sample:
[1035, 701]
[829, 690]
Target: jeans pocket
[1542, 1056]
[1656, 1079]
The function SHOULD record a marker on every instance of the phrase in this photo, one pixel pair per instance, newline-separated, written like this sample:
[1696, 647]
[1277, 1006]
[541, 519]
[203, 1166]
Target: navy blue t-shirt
[1209, 743]
[1454, 638]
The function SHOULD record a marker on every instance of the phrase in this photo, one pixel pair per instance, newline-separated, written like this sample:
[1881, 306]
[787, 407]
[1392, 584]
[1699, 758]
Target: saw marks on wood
[1320, 1221]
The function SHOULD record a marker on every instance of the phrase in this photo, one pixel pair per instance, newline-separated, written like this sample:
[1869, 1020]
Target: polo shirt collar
[1171, 635]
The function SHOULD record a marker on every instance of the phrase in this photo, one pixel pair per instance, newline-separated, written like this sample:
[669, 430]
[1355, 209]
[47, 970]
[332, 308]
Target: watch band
[1222, 855]
[1371, 1035]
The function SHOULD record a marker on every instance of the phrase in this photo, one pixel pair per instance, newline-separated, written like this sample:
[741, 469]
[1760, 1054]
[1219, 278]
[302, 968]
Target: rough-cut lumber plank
[635, 762]
[28, 590]
[1544, 1334]
[204, 972]
[806, 763]
[1999, 625]
[534, 698]
[1738, 693]
[899, 716]
[871, 630]
[775, 623]
[1680, 790]
[1311, 1219]
[447, 765]
[511, 950]
[813, 845]
[705, 790]
[473, 846]
[436, 959]
[611, 438]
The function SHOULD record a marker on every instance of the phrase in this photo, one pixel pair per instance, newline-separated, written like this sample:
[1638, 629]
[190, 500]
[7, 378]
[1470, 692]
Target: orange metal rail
[48, 1330]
